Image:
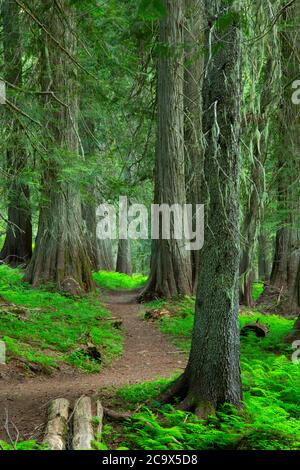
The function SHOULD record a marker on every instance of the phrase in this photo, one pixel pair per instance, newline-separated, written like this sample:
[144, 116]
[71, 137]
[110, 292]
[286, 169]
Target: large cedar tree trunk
[90, 223]
[170, 262]
[193, 79]
[89, 198]
[254, 208]
[212, 376]
[61, 255]
[284, 276]
[17, 248]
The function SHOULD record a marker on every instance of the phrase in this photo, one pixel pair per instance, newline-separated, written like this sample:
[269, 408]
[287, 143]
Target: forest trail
[147, 355]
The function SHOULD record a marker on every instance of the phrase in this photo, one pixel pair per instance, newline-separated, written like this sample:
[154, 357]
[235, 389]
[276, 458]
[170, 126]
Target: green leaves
[150, 10]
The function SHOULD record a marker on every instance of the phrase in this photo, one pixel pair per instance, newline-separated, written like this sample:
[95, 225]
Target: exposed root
[177, 390]
[188, 404]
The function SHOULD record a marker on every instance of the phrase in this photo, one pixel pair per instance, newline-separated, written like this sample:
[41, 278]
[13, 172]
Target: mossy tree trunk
[286, 262]
[170, 262]
[17, 248]
[212, 376]
[61, 251]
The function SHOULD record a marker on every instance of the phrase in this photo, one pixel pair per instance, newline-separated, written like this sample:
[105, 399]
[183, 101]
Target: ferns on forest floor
[270, 419]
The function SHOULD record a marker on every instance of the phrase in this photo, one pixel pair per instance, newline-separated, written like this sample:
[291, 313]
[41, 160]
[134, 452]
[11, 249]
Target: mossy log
[259, 329]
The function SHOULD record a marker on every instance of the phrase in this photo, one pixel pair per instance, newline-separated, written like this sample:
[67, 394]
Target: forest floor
[147, 355]
[46, 334]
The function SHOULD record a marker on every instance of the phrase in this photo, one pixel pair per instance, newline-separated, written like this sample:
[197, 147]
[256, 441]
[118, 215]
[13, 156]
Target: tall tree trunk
[90, 224]
[124, 257]
[170, 261]
[106, 257]
[193, 79]
[17, 248]
[89, 198]
[254, 208]
[285, 268]
[212, 376]
[61, 254]
[263, 257]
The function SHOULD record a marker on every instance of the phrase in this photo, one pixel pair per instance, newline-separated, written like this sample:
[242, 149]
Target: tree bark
[170, 262]
[212, 376]
[90, 222]
[17, 248]
[264, 267]
[193, 80]
[61, 251]
[106, 257]
[124, 257]
[254, 208]
[89, 198]
[286, 262]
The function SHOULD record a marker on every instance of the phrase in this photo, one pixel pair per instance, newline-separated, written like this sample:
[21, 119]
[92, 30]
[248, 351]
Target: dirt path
[147, 355]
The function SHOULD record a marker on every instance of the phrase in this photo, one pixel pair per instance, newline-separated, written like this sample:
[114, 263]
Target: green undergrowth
[257, 290]
[113, 280]
[50, 329]
[270, 419]
[25, 445]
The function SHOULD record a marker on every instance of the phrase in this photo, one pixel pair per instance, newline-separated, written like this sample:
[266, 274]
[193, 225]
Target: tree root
[176, 391]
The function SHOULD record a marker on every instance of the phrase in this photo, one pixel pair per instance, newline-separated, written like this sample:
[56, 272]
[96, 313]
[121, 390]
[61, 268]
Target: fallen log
[100, 415]
[114, 415]
[57, 427]
[83, 434]
[259, 329]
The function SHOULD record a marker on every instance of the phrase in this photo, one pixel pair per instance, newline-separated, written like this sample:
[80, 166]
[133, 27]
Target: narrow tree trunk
[170, 261]
[106, 257]
[193, 79]
[61, 254]
[124, 257]
[263, 257]
[253, 212]
[250, 231]
[212, 376]
[17, 248]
